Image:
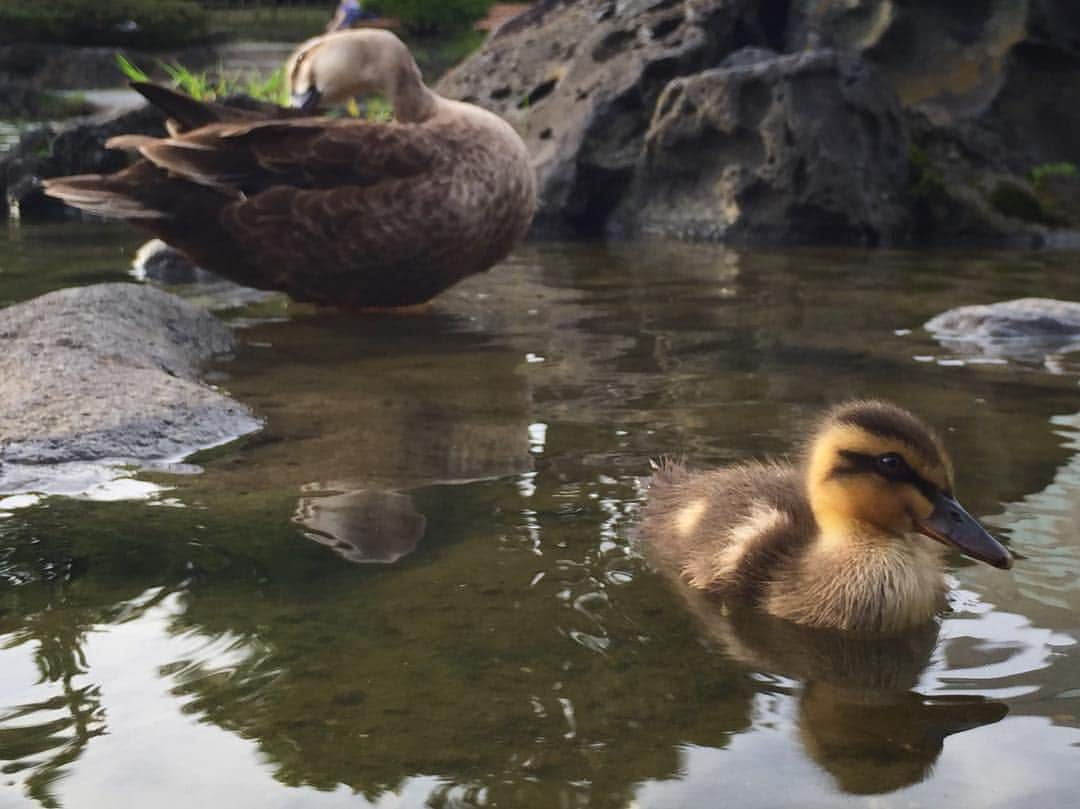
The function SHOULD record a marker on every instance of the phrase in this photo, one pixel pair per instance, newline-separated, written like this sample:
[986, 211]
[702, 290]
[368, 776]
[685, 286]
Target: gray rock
[579, 82]
[43, 152]
[988, 89]
[1030, 329]
[810, 147]
[946, 58]
[108, 373]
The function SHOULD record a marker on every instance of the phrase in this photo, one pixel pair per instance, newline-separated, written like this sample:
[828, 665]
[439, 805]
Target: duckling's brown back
[728, 531]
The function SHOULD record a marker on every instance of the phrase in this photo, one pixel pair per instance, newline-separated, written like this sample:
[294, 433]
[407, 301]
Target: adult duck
[332, 211]
[851, 538]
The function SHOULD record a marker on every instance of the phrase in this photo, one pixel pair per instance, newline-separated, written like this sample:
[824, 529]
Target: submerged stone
[1024, 329]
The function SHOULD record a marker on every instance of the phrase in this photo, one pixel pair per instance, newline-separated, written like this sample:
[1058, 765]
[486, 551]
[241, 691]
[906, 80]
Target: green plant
[207, 86]
[129, 69]
[1044, 171]
[135, 23]
[1014, 200]
[430, 16]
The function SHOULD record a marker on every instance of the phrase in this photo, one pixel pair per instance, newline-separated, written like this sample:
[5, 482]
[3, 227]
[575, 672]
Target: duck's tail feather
[199, 163]
[94, 194]
[129, 143]
[189, 113]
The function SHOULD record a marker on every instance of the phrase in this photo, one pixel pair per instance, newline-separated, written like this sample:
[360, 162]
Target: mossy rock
[1060, 197]
[1017, 201]
[927, 181]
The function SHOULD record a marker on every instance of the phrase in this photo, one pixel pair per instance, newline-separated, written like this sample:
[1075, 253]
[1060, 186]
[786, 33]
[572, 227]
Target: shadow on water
[518, 652]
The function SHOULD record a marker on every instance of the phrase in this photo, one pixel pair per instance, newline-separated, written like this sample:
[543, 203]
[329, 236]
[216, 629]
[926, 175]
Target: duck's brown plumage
[334, 211]
[831, 542]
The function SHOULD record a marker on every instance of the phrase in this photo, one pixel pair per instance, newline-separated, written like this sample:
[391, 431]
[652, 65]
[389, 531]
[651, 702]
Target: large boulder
[810, 147]
[987, 88]
[108, 374]
[580, 81]
[947, 58]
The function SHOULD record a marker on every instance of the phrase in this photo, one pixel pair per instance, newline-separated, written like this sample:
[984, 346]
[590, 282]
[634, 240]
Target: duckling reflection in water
[850, 540]
[859, 717]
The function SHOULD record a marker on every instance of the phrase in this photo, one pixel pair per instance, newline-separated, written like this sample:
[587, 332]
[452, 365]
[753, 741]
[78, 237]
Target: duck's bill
[307, 100]
[951, 524]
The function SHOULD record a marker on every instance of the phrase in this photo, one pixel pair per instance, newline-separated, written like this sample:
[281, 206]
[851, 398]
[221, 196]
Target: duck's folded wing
[190, 113]
[393, 227]
[307, 153]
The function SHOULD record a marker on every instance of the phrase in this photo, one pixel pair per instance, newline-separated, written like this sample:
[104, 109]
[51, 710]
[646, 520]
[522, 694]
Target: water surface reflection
[520, 653]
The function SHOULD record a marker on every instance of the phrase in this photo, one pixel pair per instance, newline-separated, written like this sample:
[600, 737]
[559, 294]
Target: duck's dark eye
[891, 465]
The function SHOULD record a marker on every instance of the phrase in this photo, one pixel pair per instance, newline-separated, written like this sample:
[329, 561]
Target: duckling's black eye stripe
[862, 464]
[884, 425]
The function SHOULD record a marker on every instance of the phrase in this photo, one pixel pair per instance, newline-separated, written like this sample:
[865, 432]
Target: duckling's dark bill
[951, 524]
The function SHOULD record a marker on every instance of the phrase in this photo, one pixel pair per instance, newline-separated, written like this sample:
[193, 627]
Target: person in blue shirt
[348, 12]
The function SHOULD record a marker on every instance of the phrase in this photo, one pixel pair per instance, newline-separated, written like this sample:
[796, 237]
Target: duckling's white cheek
[688, 518]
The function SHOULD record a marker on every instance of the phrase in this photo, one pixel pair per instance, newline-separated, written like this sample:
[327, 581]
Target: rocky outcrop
[580, 82]
[947, 58]
[599, 91]
[46, 152]
[810, 147]
[108, 374]
[989, 89]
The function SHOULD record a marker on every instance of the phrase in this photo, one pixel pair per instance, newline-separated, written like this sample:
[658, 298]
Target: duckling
[342, 212]
[851, 539]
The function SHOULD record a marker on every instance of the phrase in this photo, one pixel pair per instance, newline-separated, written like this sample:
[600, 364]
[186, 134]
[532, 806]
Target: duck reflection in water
[859, 716]
[362, 525]
[362, 416]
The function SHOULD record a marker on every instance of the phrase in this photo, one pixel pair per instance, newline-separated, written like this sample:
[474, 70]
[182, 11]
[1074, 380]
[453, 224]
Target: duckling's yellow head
[874, 464]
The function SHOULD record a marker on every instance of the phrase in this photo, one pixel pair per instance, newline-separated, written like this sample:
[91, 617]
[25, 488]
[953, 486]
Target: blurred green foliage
[215, 85]
[135, 23]
[430, 16]
[1044, 171]
[1015, 200]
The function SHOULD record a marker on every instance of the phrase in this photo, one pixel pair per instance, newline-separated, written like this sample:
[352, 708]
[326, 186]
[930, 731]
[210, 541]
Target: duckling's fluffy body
[832, 542]
[335, 211]
[748, 534]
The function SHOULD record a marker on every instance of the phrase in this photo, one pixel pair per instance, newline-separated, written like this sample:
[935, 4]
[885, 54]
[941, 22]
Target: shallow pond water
[419, 584]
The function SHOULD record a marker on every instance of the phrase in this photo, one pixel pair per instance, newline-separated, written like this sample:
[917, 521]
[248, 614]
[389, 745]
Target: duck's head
[334, 68]
[875, 466]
